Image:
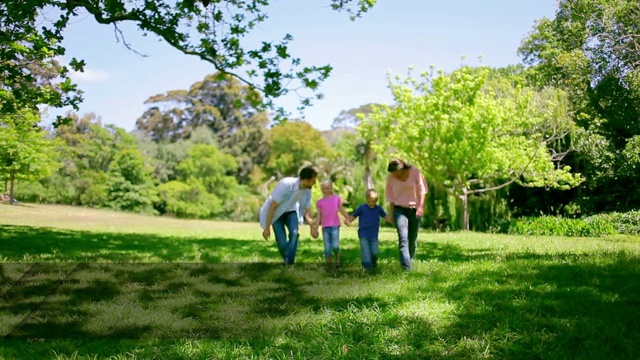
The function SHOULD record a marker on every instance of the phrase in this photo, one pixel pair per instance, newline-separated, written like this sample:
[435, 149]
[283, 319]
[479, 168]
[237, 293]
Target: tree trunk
[12, 182]
[368, 159]
[465, 210]
[368, 178]
[265, 186]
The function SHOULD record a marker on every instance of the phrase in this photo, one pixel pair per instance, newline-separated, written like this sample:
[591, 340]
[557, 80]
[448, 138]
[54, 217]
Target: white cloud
[90, 75]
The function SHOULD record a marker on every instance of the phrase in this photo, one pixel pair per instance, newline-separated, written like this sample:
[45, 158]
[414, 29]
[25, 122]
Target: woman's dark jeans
[407, 225]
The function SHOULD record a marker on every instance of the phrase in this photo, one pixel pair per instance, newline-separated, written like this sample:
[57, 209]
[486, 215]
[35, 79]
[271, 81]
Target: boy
[368, 228]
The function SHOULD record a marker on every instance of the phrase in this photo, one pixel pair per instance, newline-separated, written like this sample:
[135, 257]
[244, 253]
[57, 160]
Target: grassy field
[93, 284]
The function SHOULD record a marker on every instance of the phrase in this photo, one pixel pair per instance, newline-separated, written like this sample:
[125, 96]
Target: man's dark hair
[397, 164]
[308, 172]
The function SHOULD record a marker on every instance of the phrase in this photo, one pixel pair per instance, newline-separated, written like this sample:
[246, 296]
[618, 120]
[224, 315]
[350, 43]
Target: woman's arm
[423, 189]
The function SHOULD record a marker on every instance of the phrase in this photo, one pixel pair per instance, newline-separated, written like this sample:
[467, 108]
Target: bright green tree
[129, 186]
[292, 143]
[88, 155]
[95, 168]
[205, 186]
[211, 167]
[472, 134]
[25, 151]
[164, 157]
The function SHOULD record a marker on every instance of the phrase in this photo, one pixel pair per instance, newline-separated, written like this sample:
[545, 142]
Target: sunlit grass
[93, 284]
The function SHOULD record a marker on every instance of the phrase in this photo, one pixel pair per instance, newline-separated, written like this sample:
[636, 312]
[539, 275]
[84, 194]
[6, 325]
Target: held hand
[389, 219]
[314, 231]
[266, 233]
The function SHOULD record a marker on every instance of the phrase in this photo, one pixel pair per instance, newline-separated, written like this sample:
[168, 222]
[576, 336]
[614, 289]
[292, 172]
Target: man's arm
[310, 219]
[313, 224]
[266, 232]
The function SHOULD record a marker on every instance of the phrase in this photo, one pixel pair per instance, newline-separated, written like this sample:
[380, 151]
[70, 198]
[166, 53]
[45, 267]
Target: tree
[28, 74]
[213, 30]
[474, 134]
[205, 186]
[222, 104]
[213, 169]
[364, 145]
[94, 168]
[88, 157]
[164, 157]
[350, 118]
[293, 143]
[591, 49]
[25, 152]
[129, 186]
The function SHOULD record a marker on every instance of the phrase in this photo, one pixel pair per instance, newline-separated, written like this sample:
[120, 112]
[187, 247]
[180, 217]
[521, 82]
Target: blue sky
[393, 36]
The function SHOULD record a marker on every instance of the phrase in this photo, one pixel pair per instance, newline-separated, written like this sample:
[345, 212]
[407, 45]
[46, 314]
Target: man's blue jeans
[287, 245]
[407, 225]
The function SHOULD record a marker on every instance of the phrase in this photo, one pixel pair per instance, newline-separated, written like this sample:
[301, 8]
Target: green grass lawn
[93, 284]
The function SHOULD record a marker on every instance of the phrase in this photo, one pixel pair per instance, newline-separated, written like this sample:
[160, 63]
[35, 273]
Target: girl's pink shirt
[329, 207]
[409, 192]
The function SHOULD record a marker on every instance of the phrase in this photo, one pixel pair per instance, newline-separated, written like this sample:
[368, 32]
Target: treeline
[206, 152]
[558, 135]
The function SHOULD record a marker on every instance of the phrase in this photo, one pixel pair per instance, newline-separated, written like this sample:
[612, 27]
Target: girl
[328, 208]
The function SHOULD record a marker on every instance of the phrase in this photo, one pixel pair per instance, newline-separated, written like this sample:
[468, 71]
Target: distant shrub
[625, 223]
[559, 226]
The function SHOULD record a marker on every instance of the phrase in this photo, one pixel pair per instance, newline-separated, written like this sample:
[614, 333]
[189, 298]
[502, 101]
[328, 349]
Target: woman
[405, 193]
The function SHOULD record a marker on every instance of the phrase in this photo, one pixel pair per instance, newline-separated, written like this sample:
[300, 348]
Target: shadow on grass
[547, 306]
[45, 244]
[163, 300]
[524, 305]
[23, 243]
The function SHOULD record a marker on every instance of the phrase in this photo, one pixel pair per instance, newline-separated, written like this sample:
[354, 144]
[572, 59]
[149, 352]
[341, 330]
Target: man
[285, 207]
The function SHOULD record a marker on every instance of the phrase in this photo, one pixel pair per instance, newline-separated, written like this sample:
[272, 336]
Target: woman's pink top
[409, 192]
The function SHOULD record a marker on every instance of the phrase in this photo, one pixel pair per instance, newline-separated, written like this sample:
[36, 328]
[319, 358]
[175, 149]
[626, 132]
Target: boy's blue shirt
[369, 220]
